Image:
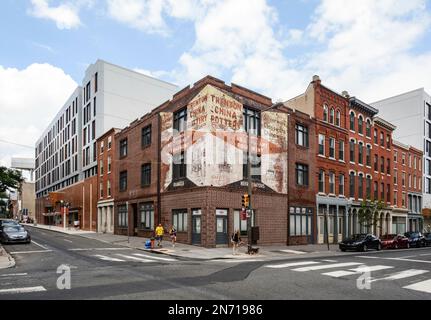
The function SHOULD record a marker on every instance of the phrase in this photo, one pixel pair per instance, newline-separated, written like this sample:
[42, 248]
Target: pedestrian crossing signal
[245, 201]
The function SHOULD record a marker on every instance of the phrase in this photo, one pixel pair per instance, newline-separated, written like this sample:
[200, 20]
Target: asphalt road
[102, 271]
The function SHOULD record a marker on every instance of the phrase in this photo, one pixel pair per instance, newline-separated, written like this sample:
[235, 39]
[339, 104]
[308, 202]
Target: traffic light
[245, 201]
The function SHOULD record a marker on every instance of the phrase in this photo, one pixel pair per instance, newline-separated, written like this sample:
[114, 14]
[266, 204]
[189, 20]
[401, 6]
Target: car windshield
[357, 237]
[389, 237]
[411, 234]
[13, 229]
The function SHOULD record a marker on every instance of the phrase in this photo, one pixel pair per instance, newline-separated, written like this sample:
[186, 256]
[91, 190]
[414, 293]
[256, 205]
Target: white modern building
[110, 96]
[411, 113]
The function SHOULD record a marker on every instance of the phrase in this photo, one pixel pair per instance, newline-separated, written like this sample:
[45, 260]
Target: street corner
[6, 260]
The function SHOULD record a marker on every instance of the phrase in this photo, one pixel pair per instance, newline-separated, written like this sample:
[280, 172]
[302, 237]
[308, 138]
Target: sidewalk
[6, 261]
[199, 253]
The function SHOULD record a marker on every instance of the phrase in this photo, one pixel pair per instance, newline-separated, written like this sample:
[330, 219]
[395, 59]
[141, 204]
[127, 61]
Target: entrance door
[196, 230]
[221, 227]
[135, 219]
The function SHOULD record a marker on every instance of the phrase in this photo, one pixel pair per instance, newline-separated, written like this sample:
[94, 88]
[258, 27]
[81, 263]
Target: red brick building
[329, 110]
[192, 171]
[407, 196]
[106, 180]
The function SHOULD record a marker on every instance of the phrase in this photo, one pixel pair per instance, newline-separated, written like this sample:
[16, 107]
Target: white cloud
[65, 15]
[29, 101]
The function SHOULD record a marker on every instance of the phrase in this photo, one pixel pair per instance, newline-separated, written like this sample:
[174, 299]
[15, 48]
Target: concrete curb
[11, 261]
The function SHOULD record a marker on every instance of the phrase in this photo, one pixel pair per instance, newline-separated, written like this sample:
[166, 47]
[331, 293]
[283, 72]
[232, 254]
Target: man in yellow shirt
[159, 235]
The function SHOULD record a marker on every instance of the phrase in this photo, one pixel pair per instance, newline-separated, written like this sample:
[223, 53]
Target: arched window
[361, 125]
[368, 128]
[332, 116]
[325, 113]
[352, 121]
[338, 119]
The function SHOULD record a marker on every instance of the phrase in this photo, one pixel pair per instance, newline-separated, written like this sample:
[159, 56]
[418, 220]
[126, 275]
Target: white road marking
[338, 274]
[99, 249]
[328, 266]
[329, 260]
[293, 251]
[360, 269]
[294, 264]
[151, 257]
[67, 240]
[423, 286]
[13, 275]
[368, 257]
[43, 247]
[35, 251]
[134, 258]
[242, 260]
[23, 290]
[108, 258]
[403, 274]
[427, 254]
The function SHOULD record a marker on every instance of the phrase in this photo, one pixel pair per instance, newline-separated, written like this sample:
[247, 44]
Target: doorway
[221, 227]
[196, 227]
[135, 218]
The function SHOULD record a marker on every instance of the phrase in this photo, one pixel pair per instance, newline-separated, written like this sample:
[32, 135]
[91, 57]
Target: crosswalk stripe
[293, 251]
[134, 258]
[105, 258]
[338, 274]
[423, 286]
[294, 264]
[151, 257]
[362, 269]
[23, 290]
[328, 266]
[403, 274]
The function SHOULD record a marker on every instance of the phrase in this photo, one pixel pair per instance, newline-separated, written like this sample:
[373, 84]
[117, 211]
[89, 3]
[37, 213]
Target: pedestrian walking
[159, 234]
[236, 241]
[173, 235]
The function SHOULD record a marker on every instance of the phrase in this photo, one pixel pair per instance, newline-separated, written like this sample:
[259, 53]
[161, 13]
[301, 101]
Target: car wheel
[379, 247]
[364, 248]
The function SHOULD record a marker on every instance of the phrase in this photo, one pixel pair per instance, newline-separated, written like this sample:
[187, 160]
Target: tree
[369, 213]
[10, 179]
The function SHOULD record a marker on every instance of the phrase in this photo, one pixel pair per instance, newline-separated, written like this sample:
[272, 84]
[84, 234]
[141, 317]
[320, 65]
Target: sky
[373, 49]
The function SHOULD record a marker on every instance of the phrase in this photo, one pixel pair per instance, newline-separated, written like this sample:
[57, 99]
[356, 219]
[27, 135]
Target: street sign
[249, 213]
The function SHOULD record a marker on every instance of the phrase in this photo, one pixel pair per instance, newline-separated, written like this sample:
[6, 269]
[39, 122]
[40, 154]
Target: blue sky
[373, 49]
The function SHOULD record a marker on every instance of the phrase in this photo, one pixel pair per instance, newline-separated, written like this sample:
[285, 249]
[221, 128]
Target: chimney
[316, 78]
[345, 94]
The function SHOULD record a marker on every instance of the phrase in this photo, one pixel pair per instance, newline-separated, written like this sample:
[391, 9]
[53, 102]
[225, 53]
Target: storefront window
[147, 216]
[300, 221]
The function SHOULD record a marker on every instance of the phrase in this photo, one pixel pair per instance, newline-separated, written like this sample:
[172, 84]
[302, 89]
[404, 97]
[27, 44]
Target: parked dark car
[393, 241]
[4, 223]
[361, 242]
[416, 239]
[14, 234]
[427, 237]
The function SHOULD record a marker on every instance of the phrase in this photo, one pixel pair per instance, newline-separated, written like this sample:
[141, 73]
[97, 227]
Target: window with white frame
[332, 148]
[147, 216]
[341, 184]
[341, 150]
[122, 216]
[321, 181]
[300, 221]
[331, 183]
[179, 220]
[321, 144]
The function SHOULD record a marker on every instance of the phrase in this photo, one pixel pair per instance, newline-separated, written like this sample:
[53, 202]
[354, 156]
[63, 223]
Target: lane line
[427, 254]
[23, 290]
[99, 249]
[294, 264]
[43, 247]
[151, 257]
[423, 286]
[397, 259]
[105, 258]
[402, 275]
[134, 258]
[35, 251]
[333, 261]
[13, 275]
[293, 251]
[328, 266]
[67, 240]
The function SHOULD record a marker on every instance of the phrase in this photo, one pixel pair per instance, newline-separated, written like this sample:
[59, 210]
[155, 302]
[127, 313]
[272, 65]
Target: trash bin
[255, 235]
[148, 244]
[152, 241]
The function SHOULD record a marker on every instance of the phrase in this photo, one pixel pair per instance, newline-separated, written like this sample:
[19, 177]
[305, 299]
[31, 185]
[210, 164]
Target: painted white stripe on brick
[134, 258]
[402, 275]
[23, 290]
[293, 264]
[424, 286]
[328, 266]
[151, 257]
[105, 258]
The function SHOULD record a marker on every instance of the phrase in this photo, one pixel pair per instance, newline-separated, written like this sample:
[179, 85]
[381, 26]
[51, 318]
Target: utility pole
[249, 215]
